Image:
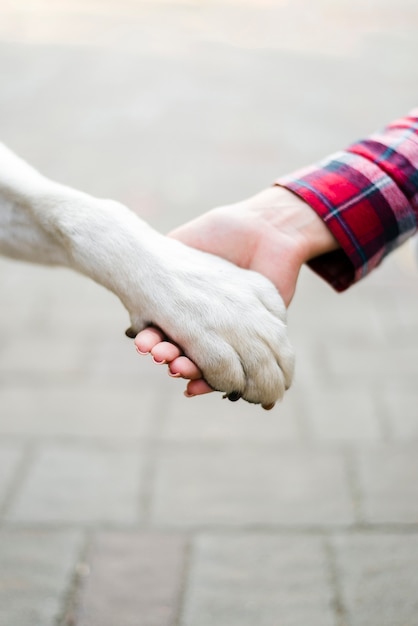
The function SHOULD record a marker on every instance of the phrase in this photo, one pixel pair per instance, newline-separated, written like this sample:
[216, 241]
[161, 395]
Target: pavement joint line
[69, 606]
[153, 439]
[20, 474]
[151, 448]
[353, 483]
[185, 580]
[386, 428]
[339, 608]
[255, 529]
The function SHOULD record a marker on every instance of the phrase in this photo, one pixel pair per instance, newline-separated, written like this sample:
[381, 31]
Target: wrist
[281, 209]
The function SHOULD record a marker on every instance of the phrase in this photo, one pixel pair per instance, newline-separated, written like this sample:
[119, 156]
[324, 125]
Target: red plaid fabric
[368, 197]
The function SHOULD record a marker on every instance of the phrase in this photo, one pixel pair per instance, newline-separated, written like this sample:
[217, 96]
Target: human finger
[165, 352]
[147, 339]
[197, 388]
[184, 367]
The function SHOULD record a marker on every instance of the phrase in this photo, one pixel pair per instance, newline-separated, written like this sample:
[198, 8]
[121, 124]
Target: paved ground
[121, 502]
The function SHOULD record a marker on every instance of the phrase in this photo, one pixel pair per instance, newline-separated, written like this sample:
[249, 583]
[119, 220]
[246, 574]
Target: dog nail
[234, 396]
[268, 407]
[129, 332]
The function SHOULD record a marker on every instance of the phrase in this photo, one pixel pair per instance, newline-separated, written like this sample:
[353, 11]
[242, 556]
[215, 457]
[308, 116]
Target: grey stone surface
[134, 579]
[369, 362]
[258, 484]
[342, 414]
[36, 570]
[379, 578]
[78, 410]
[399, 406]
[10, 458]
[186, 422]
[242, 580]
[80, 483]
[388, 478]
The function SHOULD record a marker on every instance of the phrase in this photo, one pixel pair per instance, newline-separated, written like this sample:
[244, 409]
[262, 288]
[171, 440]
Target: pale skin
[274, 233]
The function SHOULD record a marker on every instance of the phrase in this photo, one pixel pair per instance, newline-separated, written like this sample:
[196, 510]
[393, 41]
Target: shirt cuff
[363, 207]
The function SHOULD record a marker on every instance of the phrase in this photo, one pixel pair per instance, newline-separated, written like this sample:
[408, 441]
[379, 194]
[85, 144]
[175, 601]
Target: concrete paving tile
[10, 457]
[378, 577]
[372, 363]
[42, 355]
[76, 483]
[134, 580]
[78, 410]
[114, 360]
[388, 480]
[400, 410]
[242, 580]
[213, 419]
[353, 313]
[35, 573]
[250, 484]
[342, 414]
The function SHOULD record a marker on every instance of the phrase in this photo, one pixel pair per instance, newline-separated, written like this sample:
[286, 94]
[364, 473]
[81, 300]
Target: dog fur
[231, 322]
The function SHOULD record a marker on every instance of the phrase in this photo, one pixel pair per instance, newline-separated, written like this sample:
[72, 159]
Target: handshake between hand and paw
[230, 322]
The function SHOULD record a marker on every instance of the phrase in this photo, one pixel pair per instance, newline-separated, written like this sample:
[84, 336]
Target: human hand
[230, 321]
[274, 233]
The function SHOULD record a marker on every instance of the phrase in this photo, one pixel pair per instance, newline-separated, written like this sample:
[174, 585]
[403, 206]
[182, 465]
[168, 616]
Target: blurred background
[121, 502]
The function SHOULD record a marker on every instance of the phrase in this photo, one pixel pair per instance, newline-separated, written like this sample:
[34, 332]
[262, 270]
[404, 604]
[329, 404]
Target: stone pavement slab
[350, 415]
[60, 358]
[378, 578]
[133, 579]
[248, 579]
[11, 456]
[36, 569]
[388, 482]
[80, 483]
[259, 484]
[79, 410]
[399, 407]
[186, 422]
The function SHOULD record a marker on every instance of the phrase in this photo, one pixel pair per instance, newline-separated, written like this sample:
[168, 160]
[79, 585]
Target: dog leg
[230, 321]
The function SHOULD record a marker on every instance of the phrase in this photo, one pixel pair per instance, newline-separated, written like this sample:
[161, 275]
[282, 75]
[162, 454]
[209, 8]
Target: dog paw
[231, 322]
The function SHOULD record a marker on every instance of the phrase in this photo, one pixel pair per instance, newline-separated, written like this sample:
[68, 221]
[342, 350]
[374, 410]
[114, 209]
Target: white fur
[230, 321]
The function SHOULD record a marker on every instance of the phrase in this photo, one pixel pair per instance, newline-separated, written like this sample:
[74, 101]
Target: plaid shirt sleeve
[368, 197]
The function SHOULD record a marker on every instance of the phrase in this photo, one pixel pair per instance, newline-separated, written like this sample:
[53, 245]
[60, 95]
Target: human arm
[367, 196]
[341, 216]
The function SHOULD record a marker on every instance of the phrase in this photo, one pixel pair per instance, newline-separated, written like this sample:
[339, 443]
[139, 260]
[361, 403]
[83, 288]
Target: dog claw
[129, 332]
[234, 396]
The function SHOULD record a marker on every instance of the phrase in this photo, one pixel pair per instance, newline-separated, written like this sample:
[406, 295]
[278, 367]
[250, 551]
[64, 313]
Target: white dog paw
[231, 322]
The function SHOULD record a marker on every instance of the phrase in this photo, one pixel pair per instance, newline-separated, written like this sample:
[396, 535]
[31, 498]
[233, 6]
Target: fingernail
[175, 375]
[140, 351]
[189, 395]
[159, 362]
